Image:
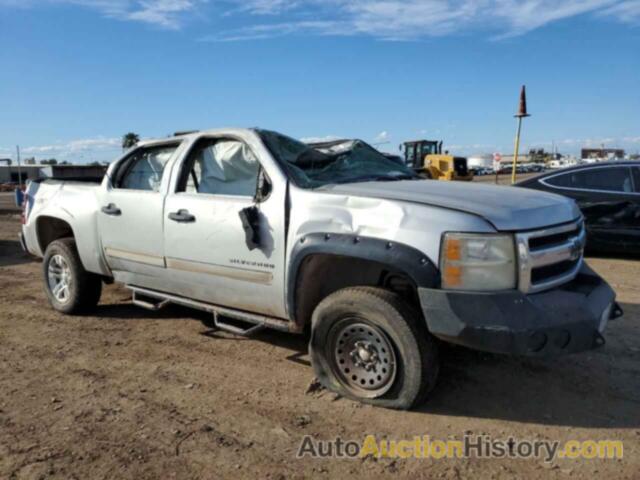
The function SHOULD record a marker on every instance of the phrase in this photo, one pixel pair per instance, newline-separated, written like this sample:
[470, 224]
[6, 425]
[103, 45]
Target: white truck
[379, 265]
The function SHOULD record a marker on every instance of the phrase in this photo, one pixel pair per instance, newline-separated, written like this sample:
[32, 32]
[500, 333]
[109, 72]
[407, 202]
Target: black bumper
[567, 319]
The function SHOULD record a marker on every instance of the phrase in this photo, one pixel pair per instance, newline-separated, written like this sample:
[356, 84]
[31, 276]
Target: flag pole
[522, 113]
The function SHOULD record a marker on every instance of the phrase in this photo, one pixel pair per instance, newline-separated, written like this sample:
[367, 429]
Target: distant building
[602, 153]
[11, 173]
[5, 161]
[480, 161]
[508, 159]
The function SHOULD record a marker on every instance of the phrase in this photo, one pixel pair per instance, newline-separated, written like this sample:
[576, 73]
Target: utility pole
[19, 169]
[522, 113]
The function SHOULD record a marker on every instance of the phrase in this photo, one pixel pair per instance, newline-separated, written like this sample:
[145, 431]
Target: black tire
[384, 317]
[83, 288]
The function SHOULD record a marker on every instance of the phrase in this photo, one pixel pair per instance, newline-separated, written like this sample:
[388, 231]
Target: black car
[608, 193]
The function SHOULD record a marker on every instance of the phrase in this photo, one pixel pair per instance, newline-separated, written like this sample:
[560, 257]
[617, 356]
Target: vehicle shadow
[597, 389]
[296, 343]
[129, 311]
[11, 253]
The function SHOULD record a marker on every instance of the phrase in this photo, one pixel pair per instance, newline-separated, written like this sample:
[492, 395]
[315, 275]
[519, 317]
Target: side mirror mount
[250, 218]
[263, 189]
[109, 181]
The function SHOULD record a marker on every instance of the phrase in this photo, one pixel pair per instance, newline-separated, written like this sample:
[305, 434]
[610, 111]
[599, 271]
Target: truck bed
[56, 180]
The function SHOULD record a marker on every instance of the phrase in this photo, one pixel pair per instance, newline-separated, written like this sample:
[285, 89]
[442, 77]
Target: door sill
[253, 318]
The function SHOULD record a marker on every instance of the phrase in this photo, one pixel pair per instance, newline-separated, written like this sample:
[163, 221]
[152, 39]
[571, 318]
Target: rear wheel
[369, 345]
[69, 287]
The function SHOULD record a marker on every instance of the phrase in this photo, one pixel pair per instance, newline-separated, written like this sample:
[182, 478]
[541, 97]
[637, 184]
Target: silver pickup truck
[379, 265]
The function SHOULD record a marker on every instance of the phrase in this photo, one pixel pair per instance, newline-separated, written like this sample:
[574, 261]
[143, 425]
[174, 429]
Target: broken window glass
[346, 161]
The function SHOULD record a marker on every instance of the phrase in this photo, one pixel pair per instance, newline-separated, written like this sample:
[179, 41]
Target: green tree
[130, 140]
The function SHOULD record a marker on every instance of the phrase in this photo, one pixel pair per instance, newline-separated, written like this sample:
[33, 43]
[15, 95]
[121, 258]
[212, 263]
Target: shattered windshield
[345, 162]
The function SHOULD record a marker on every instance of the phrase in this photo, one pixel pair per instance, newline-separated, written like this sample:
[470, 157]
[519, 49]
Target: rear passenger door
[207, 251]
[130, 218]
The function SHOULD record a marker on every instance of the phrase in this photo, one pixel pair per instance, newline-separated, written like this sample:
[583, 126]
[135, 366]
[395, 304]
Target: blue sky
[77, 74]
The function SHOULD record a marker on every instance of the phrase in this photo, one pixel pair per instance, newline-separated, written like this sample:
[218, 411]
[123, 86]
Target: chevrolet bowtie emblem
[576, 250]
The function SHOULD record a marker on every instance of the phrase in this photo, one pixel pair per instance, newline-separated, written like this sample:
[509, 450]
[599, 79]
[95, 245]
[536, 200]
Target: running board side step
[150, 303]
[236, 330]
[154, 300]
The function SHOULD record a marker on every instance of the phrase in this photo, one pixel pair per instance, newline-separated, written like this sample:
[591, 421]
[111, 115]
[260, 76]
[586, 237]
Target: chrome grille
[549, 257]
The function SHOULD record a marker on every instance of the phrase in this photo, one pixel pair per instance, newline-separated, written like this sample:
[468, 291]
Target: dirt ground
[7, 203]
[134, 394]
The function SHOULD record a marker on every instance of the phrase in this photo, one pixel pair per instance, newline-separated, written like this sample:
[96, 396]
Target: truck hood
[506, 208]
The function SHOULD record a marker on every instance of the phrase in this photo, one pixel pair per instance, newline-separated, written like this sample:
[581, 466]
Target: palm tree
[130, 140]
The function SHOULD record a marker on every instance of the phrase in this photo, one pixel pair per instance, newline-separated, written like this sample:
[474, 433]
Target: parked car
[480, 171]
[265, 231]
[608, 193]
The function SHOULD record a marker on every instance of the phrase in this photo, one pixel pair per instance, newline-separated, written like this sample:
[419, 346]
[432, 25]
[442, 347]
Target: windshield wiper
[403, 177]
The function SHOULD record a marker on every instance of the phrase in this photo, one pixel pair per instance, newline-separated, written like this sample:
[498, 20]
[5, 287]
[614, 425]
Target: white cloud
[168, 14]
[627, 11]
[414, 19]
[527, 15]
[382, 137]
[77, 151]
[384, 19]
[268, 7]
[165, 13]
[257, 32]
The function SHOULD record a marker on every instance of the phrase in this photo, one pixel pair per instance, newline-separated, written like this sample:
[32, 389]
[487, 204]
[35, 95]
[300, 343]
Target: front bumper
[570, 318]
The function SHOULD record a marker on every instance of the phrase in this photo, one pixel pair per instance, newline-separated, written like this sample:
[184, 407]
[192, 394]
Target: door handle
[111, 209]
[182, 216]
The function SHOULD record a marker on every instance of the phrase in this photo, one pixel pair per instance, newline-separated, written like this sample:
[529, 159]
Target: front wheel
[367, 344]
[69, 287]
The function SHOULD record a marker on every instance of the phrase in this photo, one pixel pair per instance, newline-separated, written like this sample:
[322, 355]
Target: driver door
[207, 249]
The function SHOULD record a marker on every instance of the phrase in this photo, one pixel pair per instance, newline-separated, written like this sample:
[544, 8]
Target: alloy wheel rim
[59, 278]
[363, 358]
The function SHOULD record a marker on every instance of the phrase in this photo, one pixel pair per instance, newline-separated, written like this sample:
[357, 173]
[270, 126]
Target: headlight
[478, 261]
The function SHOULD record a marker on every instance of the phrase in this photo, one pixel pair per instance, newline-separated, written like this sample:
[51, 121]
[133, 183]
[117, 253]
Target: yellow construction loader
[425, 156]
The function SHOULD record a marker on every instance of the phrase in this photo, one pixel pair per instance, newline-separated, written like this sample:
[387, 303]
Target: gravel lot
[129, 393]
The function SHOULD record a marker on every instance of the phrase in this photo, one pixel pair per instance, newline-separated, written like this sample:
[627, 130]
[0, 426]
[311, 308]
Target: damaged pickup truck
[378, 264]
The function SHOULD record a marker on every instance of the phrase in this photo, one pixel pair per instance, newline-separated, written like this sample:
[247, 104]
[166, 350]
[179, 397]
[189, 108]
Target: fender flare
[92, 262]
[43, 216]
[398, 256]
